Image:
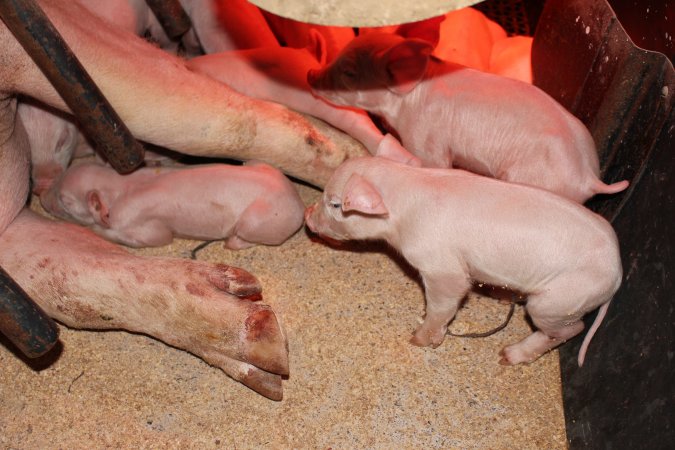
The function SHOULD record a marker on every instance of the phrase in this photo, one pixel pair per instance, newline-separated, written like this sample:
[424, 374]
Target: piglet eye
[349, 73]
[335, 204]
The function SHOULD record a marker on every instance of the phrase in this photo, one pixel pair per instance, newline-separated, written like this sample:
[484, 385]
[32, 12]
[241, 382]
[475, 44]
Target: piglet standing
[449, 115]
[457, 228]
[245, 205]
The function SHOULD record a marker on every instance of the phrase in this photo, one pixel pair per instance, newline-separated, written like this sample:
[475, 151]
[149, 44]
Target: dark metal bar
[171, 16]
[99, 121]
[22, 321]
[623, 396]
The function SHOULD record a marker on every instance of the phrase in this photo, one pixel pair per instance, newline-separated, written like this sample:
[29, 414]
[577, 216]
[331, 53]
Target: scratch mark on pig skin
[84, 315]
[309, 140]
[194, 289]
[212, 337]
[139, 277]
[234, 281]
[44, 262]
[258, 325]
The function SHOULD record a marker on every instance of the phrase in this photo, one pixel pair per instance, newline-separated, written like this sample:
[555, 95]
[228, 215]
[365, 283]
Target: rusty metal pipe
[171, 16]
[99, 121]
[22, 321]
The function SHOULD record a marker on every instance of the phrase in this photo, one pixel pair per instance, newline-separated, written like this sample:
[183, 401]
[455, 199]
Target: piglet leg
[443, 294]
[84, 281]
[556, 312]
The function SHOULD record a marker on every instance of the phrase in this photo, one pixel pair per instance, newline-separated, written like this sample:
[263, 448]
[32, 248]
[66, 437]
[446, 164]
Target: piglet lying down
[245, 205]
[456, 227]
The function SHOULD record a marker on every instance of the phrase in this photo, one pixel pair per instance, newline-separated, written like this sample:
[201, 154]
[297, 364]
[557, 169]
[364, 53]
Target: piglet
[512, 57]
[279, 74]
[245, 205]
[53, 139]
[225, 25]
[292, 33]
[466, 37]
[449, 115]
[456, 228]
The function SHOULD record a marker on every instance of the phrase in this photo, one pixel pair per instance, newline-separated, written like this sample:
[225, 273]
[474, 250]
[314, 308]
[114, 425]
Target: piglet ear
[98, 209]
[317, 46]
[390, 148]
[361, 196]
[406, 63]
[428, 30]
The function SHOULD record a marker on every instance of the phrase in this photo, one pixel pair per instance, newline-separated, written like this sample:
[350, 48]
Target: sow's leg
[84, 281]
[164, 103]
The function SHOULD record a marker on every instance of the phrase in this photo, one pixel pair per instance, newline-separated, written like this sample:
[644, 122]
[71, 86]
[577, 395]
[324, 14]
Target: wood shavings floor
[355, 380]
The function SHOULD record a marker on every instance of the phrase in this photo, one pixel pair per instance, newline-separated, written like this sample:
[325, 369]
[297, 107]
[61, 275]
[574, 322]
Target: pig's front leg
[443, 292]
[86, 282]
[165, 104]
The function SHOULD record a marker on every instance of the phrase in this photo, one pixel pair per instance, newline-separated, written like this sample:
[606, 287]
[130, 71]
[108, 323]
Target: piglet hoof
[510, 356]
[424, 338]
[504, 360]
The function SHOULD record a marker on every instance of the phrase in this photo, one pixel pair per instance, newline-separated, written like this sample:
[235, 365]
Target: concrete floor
[355, 380]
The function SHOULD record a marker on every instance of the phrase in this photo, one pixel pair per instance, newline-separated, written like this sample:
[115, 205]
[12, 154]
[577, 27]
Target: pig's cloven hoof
[423, 338]
[511, 356]
[242, 338]
[200, 307]
[235, 281]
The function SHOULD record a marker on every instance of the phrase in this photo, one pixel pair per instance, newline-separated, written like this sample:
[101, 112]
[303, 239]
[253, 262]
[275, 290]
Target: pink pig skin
[466, 37]
[220, 25]
[512, 57]
[52, 139]
[246, 205]
[55, 140]
[292, 33]
[457, 228]
[279, 74]
[216, 25]
[449, 115]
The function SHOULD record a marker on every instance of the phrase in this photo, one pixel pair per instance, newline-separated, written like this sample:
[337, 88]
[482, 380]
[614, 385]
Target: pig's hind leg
[152, 233]
[538, 343]
[263, 223]
[556, 312]
[443, 295]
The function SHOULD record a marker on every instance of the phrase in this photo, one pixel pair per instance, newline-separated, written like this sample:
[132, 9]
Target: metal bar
[22, 321]
[99, 121]
[171, 16]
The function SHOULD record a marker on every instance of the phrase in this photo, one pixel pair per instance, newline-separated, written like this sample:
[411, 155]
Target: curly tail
[591, 332]
[602, 188]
